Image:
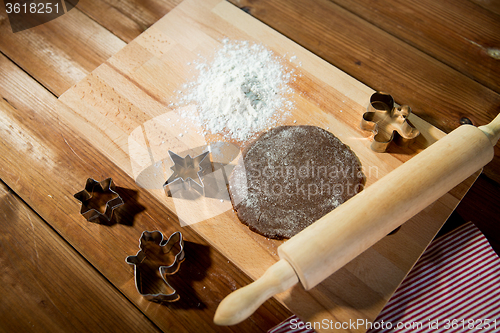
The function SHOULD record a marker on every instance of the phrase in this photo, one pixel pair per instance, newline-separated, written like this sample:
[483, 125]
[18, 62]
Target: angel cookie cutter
[157, 259]
[388, 122]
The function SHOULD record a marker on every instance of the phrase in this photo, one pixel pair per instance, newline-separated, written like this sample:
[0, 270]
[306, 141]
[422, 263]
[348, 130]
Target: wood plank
[125, 19]
[458, 33]
[46, 162]
[46, 286]
[129, 95]
[61, 52]
[437, 93]
[491, 5]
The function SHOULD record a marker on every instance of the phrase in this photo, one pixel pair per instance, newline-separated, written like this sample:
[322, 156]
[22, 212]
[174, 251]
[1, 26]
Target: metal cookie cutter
[98, 199]
[157, 256]
[187, 173]
[388, 122]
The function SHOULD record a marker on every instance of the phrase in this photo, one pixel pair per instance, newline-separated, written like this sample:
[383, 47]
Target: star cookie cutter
[187, 173]
[98, 200]
[154, 262]
[388, 122]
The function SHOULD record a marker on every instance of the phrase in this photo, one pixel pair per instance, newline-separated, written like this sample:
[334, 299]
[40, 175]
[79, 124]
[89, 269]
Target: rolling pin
[338, 237]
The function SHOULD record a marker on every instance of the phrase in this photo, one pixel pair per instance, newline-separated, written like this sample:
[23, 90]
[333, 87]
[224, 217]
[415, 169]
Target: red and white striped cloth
[454, 287]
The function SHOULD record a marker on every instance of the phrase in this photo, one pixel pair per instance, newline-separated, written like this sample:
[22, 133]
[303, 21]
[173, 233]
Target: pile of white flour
[241, 92]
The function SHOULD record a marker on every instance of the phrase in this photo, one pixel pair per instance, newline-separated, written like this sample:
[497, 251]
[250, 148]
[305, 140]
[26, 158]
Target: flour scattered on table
[244, 90]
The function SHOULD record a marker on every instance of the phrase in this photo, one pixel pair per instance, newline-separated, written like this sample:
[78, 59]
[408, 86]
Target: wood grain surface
[473, 52]
[492, 6]
[441, 81]
[125, 19]
[43, 276]
[131, 91]
[61, 52]
[56, 164]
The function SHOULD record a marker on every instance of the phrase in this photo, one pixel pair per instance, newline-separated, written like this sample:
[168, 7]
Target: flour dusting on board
[244, 90]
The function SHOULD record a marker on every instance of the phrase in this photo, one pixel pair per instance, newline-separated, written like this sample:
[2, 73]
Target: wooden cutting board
[123, 109]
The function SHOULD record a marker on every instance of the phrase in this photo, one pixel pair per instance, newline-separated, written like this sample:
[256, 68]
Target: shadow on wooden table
[193, 269]
[126, 213]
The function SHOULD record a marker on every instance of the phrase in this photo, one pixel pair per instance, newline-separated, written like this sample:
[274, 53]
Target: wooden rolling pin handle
[240, 304]
[492, 130]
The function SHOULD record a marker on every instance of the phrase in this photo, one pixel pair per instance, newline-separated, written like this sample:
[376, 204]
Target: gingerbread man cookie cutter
[388, 122]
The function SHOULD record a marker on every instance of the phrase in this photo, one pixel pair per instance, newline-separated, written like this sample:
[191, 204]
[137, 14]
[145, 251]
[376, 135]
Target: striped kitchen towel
[454, 287]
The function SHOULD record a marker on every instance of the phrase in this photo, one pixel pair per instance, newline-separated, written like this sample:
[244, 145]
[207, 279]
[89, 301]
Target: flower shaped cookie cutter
[157, 259]
[388, 122]
[98, 200]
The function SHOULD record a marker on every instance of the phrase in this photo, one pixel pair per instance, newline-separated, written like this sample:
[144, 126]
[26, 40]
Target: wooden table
[442, 59]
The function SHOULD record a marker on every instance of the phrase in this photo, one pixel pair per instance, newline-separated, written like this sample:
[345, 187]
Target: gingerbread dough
[290, 177]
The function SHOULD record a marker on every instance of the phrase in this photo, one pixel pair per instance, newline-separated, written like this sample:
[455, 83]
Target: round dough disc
[290, 177]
